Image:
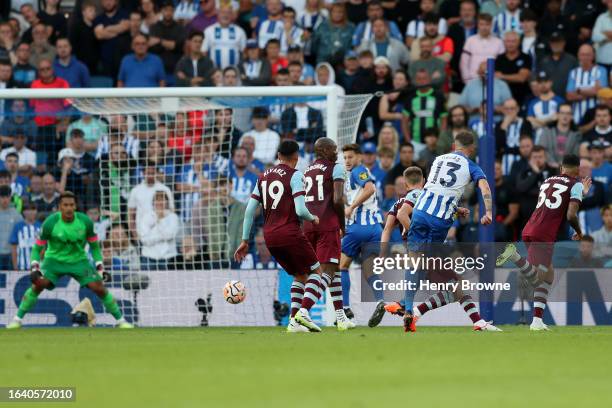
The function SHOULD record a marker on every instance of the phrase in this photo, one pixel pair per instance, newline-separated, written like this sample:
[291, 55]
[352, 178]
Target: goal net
[166, 180]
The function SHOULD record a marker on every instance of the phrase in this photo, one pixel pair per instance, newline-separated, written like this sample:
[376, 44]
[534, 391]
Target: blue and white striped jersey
[186, 10]
[368, 212]
[507, 21]
[513, 137]
[544, 110]
[268, 30]
[296, 34]
[217, 169]
[24, 236]
[224, 45]
[129, 142]
[581, 78]
[413, 196]
[448, 177]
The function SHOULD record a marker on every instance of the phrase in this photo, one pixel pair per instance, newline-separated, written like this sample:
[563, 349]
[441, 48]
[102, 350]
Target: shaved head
[326, 148]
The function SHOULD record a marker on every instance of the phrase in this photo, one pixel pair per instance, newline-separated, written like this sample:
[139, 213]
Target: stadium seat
[100, 81]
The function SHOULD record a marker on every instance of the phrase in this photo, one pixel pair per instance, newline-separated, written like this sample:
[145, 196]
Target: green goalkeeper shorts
[82, 271]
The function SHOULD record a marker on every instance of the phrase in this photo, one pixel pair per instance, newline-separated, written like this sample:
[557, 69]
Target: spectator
[542, 110]
[364, 32]
[6, 179]
[266, 140]
[276, 61]
[31, 18]
[602, 169]
[83, 38]
[101, 224]
[309, 19]
[531, 43]
[27, 158]
[183, 136]
[478, 48]
[603, 128]
[429, 153]
[7, 44]
[603, 236]
[24, 73]
[254, 71]
[224, 40]
[109, 27]
[514, 67]
[458, 123]
[602, 37]
[272, 27]
[508, 133]
[391, 104]
[185, 11]
[53, 17]
[506, 205]
[326, 76]
[48, 201]
[36, 187]
[68, 67]
[158, 230]
[509, 19]
[248, 143]
[140, 200]
[459, 33]
[295, 54]
[141, 69]
[350, 71]
[226, 129]
[23, 237]
[123, 254]
[435, 67]
[293, 35]
[584, 81]
[472, 95]
[166, 40]
[77, 167]
[6, 82]
[525, 147]
[205, 18]
[388, 138]
[368, 151]
[40, 48]
[416, 28]
[558, 64]
[93, 130]
[560, 139]
[427, 110]
[19, 184]
[150, 15]
[529, 182]
[155, 154]
[195, 68]
[333, 38]
[48, 111]
[115, 180]
[9, 217]
[386, 159]
[302, 123]
[17, 122]
[383, 45]
[243, 180]
[442, 46]
[585, 257]
[406, 159]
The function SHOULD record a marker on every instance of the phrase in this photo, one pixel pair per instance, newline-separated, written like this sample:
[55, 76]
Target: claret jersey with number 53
[448, 177]
[555, 195]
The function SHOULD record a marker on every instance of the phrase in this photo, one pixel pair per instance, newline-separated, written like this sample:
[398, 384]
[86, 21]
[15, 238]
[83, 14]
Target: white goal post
[189, 128]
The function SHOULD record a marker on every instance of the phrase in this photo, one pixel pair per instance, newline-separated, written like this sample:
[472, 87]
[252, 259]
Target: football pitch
[265, 367]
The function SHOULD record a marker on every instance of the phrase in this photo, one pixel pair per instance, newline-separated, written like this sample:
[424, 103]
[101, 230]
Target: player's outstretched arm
[487, 198]
[249, 216]
[302, 211]
[367, 191]
[572, 219]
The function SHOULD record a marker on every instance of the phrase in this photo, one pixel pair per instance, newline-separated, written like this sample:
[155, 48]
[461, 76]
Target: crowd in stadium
[552, 96]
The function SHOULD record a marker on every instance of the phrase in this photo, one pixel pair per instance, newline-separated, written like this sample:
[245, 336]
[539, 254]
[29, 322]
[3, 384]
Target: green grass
[265, 367]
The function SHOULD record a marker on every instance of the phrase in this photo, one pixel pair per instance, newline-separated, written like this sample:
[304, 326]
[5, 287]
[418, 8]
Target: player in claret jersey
[324, 180]
[559, 199]
[65, 235]
[280, 191]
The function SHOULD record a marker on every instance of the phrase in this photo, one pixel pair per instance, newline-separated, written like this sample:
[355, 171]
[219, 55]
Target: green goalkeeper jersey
[66, 241]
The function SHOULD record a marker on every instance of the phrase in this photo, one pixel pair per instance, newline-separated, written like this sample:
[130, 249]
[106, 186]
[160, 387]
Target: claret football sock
[335, 290]
[297, 295]
[311, 293]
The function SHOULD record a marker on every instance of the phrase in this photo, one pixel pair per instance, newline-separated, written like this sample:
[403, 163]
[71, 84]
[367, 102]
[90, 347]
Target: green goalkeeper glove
[106, 277]
[35, 273]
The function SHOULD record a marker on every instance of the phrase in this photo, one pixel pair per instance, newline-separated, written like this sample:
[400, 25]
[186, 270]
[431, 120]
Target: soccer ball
[234, 292]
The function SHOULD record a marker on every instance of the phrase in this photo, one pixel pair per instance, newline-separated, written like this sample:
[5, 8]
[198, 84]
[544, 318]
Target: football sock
[311, 293]
[325, 283]
[378, 293]
[27, 302]
[467, 303]
[335, 290]
[346, 287]
[540, 297]
[111, 306]
[438, 300]
[527, 269]
[297, 294]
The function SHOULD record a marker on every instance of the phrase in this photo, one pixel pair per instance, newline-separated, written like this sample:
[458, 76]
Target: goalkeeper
[65, 235]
